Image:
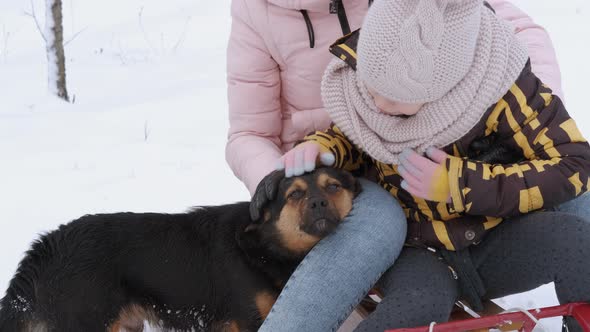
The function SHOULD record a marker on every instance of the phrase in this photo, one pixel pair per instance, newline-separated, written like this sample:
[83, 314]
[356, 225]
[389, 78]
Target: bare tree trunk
[55, 49]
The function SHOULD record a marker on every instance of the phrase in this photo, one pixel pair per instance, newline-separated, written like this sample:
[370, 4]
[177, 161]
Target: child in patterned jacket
[409, 94]
[432, 77]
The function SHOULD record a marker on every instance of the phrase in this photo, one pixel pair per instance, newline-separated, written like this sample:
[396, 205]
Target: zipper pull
[453, 272]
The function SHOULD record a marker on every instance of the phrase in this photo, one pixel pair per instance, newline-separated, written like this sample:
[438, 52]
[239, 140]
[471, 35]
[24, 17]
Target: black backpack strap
[337, 7]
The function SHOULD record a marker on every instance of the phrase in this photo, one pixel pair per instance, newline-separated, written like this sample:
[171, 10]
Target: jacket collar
[345, 48]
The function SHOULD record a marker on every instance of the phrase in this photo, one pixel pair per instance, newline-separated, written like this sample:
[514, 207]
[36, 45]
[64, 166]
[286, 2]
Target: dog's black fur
[211, 269]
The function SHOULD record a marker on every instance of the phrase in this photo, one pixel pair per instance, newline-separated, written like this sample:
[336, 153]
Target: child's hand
[303, 158]
[423, 177]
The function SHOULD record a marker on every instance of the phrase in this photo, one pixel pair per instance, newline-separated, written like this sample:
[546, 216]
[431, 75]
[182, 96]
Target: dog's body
[212, 269]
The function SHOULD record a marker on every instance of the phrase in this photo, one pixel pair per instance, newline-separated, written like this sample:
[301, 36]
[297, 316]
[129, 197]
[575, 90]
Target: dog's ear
[354, 182]
[265, 192]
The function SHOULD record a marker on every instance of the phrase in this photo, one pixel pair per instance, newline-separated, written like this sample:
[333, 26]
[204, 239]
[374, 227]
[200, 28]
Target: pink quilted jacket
[274, 76]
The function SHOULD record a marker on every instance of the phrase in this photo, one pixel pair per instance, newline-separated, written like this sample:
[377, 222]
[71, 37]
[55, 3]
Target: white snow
[148, 126]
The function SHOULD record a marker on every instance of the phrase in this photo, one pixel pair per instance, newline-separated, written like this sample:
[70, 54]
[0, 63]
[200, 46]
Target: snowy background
[148, 126]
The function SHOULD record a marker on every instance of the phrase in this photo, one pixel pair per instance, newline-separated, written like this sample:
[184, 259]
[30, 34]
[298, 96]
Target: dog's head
[295, 213]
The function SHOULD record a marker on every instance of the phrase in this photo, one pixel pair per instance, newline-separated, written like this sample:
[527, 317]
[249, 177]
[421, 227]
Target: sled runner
[522, 321]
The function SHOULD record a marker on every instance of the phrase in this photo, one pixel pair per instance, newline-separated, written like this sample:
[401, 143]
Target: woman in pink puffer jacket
[277, 52]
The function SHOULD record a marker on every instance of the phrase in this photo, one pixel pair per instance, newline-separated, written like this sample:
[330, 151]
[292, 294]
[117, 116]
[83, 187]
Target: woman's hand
[304, 158]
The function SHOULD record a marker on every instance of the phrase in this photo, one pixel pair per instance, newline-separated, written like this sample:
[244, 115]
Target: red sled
[525, 322]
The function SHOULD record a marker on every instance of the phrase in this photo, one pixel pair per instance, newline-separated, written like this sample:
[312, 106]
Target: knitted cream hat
[455, 55]
[415, 51]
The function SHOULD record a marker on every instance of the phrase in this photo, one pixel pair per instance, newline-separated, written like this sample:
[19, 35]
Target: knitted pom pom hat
[415, 51]
[455, 56]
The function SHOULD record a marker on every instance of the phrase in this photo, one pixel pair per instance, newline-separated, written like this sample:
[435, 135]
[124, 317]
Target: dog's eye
[296, 194]
[332, 187]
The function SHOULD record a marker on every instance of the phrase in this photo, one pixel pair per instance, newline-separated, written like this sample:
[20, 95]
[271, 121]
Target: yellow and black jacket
[528, 120]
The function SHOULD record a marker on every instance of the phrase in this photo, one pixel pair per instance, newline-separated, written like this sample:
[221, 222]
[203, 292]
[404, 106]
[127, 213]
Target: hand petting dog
[304, 158]
[425, 177]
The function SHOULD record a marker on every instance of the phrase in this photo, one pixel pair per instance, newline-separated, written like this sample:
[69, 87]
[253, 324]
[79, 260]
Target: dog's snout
[318, 203]
[320, 219]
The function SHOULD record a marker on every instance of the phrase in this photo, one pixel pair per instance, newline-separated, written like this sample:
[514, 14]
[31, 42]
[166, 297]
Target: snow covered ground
[147, 129]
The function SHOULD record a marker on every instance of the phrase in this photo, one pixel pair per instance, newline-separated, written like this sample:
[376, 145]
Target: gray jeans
[519, 255]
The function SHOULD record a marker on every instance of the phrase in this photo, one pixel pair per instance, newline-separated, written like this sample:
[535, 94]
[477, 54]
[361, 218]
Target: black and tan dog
[211, 269]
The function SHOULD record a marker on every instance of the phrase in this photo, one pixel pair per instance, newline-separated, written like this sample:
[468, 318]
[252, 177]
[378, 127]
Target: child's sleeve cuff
[455, 171]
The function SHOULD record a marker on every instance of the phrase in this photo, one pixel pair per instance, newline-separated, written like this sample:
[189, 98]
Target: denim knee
[378, 220]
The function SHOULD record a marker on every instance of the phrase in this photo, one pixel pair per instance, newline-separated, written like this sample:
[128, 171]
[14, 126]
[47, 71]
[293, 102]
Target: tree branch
[33, 15]
[74, 36]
